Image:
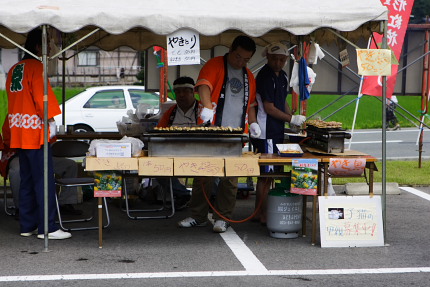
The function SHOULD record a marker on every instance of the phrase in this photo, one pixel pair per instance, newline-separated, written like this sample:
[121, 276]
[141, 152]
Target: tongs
[299, 130]
[205, 124]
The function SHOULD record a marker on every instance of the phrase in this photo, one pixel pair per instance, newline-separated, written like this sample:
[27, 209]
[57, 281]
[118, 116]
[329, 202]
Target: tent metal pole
[413, 62]
[343, 38]
[45, 135]
[339, 62]
[384, 26]
[74, 43]
[357, 103]
[63, 91]
[19, 46]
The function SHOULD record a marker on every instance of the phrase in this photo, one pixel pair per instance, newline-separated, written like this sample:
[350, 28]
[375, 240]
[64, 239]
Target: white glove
[297, 120]
[254, 130]
[52, 129]
[207, 115]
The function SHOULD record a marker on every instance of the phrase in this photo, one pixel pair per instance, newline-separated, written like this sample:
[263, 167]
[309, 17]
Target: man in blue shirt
[273, 113]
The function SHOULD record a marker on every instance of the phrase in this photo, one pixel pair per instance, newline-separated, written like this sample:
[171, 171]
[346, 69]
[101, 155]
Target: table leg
[100, 209]
[314, 219]
[325, 190]
[371, 170]
[305, 200]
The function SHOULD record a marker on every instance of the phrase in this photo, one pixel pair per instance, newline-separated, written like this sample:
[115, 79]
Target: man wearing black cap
[273, 112]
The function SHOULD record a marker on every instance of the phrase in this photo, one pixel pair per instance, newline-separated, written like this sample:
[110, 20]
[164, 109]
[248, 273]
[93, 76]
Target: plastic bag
[330, 188]
[294, 81]
[136, 145]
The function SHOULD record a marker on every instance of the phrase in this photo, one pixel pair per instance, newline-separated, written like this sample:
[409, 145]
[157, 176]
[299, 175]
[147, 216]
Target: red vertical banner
[398, 19]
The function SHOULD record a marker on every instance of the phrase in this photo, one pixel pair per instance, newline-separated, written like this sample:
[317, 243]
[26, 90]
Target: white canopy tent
[141, 24]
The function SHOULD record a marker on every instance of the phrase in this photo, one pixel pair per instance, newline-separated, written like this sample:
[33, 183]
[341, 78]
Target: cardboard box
[113, 150]
[156, 166]
[198, 166]
[242, 166]
[110, 163]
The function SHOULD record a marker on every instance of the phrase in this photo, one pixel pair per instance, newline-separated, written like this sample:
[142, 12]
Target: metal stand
[162, 208]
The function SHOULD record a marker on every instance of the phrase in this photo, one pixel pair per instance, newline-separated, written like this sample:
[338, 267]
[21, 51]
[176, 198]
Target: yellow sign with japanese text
[374, 62]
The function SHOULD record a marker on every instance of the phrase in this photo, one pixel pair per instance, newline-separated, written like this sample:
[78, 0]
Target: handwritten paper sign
[156, 166]
[351, 221]
[241, 166]
[304, 176]
[347, 166]
[198, 166]
[374, 62]
[107, 184]
[110, 163]
[183, 48]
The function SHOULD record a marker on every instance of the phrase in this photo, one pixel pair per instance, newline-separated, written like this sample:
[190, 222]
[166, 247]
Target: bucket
[284, 213]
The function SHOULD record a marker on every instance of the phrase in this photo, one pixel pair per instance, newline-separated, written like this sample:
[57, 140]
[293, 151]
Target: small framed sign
[107, 184]
[304, 176]
[351, 221]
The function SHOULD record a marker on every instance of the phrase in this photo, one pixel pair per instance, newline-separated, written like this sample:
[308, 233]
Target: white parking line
[249, 261]
[253, 266]
[375, 142]
[416, 192]
[310, 272]
[380, 131]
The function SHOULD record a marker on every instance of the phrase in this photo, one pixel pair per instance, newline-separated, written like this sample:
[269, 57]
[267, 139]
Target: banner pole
[359, 95]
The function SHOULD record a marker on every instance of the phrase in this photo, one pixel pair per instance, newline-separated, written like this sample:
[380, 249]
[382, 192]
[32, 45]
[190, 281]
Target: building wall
[107, 70]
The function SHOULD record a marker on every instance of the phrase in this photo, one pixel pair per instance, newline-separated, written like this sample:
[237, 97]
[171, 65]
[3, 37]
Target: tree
[420, 10]
[141, 75]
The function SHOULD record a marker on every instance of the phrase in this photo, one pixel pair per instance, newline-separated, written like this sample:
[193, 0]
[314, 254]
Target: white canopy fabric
[143, 23]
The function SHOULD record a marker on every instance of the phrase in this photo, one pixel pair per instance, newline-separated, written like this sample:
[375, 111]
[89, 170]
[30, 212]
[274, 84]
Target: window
[141, 97]
[88, 58]
[112, 99]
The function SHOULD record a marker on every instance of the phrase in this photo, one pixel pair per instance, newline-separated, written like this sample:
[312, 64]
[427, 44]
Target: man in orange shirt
[25, 89]
[227, 92]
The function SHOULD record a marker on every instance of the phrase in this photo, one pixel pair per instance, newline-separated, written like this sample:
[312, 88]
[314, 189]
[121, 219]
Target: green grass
[369, 110]
[369, 116]
[369, 113]
[402, 172]
[70, 92]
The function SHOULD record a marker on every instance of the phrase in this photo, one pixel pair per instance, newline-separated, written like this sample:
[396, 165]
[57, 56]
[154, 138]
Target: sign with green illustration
[107, 184]
[304, 176]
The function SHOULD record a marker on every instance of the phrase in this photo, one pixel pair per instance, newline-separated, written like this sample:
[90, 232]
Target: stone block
[363, 188]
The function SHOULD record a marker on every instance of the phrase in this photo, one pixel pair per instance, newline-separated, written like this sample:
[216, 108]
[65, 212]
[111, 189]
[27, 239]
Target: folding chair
[75, 148]
[131, 213]
[8, 209]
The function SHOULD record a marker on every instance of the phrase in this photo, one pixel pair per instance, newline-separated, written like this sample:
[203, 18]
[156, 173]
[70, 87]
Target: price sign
[183, 48]
[197, 166]
[156, 166]
[374, 62]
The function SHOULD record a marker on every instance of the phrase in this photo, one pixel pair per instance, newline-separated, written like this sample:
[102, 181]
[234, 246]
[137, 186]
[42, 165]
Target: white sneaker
[220, 226]
[191, 222]
[28, 234]
[59, 234]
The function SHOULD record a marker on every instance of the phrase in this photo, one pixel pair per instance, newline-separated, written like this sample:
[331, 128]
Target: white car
[99, 108]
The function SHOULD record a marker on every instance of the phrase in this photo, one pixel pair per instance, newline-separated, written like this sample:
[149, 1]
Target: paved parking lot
[157, 253]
